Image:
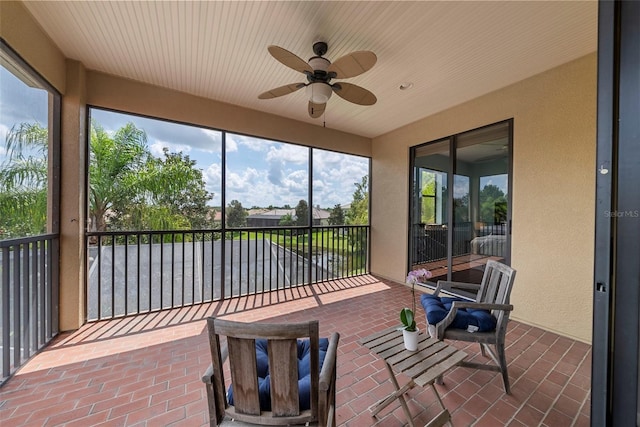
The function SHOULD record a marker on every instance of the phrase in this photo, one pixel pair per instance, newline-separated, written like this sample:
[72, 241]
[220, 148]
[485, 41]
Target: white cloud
[3, 137]
[288, 153]
[216, 140]
[243, 183]
[4, 130]
[212, 176]
[254, 144]
[231, 145]
[296, 183]
[335, 176]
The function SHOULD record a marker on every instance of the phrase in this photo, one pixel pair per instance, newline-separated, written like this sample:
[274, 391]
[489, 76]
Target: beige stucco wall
[553, 191]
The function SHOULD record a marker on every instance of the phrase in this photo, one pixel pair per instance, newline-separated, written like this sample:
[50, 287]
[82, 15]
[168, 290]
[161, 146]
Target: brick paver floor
[145, 370]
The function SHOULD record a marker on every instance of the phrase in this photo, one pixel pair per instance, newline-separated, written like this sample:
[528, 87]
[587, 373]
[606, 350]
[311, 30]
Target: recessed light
[405, 85]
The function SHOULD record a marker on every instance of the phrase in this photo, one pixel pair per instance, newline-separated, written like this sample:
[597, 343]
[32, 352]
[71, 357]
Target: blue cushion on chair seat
[437, 309]
[304, 373]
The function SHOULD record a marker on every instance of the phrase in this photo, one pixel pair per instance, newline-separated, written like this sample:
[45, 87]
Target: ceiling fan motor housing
[320, 48]
[320, 66]
[319, 63]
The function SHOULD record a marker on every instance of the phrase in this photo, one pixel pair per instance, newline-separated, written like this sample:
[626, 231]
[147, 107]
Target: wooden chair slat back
[283, 366]
[283, 370]
[244, 375]
[496, 286]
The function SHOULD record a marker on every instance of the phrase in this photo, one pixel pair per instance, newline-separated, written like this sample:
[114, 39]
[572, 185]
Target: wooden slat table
[423, 366]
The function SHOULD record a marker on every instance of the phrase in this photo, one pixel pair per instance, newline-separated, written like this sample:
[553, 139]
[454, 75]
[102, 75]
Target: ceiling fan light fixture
[319, 92]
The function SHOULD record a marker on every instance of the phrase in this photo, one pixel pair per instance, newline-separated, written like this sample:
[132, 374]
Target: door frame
[616, 310]
[452, 140]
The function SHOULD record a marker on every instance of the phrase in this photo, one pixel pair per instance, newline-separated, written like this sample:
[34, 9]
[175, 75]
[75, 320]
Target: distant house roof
[256, 211]
[272, 214]
[321, 213]
[279, 213]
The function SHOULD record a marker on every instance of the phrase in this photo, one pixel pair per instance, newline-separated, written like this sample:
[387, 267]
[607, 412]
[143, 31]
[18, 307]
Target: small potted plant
[407, 315]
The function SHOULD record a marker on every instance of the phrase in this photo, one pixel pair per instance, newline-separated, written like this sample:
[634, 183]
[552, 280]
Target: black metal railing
[138, 272]
[430, 242]
[30, 293]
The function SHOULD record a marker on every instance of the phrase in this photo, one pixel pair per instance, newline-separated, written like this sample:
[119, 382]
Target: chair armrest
[465, 290]
[207, 377]
[481, 306]
[448, 320]
[329, 366]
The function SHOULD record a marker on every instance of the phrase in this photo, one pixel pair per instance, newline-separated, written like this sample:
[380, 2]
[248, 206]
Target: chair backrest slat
[282, 348]
[244, 375]
[283, 369]
[496, 283]
[496, 286]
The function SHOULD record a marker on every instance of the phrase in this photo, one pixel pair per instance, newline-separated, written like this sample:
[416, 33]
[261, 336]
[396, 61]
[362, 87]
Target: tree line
[356, 214]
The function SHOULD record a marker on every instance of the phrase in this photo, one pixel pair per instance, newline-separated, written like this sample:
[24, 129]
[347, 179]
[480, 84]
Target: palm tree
[23, 181]
[113, 164]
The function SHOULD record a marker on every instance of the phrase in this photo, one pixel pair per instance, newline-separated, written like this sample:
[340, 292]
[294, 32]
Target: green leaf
[407, 319]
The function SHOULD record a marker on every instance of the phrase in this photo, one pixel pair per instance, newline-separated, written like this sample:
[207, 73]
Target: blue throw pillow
[304, 373]
[437, 308]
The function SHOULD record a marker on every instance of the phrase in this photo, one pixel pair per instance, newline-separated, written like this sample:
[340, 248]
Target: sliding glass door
[460, 203]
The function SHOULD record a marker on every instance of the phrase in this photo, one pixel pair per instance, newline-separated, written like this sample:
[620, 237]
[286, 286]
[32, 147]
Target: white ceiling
[451, 51]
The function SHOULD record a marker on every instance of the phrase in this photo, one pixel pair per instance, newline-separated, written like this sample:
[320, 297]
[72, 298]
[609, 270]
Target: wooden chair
[282, 344]
[491, 294]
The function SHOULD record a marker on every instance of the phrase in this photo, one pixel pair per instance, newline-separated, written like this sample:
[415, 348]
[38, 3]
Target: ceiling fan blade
[280, 91]
[316, 110]
[353, 64]
[353, 93]
[289, 59]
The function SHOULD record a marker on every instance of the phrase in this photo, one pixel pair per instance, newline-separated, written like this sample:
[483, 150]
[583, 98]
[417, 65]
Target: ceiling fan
[320, 71]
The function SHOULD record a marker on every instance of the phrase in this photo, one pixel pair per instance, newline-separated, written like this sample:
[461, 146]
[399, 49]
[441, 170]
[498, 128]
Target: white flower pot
[410, 339]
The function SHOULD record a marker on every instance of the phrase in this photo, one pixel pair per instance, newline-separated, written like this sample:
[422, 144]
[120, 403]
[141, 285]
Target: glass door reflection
[460, 203]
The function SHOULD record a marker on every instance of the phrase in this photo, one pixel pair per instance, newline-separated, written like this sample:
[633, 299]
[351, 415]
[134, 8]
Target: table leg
[398, 394]
[443, 417]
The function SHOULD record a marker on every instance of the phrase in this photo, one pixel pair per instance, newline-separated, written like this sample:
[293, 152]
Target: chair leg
[484, 353]
[503, 367]
[211, 402]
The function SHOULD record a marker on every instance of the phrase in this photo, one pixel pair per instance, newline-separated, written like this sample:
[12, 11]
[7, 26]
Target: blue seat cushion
[304, 373]
[437, 309]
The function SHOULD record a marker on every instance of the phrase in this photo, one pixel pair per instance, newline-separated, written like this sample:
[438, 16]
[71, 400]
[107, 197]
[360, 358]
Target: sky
[19, 104]
[260, 173]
